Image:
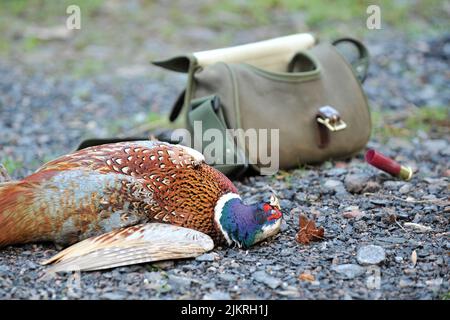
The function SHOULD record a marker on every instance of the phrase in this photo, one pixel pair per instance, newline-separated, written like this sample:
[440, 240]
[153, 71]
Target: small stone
[398, 259]
[228, 277]
[350, 271]
[405, 188]
[355, 213]
[405, 283]
[393, 185]
[3, 270]
[285, 204]
[336, 172]
[263, 277]
[355, 183]
[217, 295]
[179, 281]
[372, 186]
[112, 296]
[153, 276]
[334, 186]
[417, 227]
[436, 145]
[209, 257]
[370, 254]
[290, 292]
[434, 283]
[284, 226]
[301, 197]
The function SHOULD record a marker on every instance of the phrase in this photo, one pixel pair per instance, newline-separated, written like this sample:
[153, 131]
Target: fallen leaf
[414, 258]
[306, 277]
[308, 231]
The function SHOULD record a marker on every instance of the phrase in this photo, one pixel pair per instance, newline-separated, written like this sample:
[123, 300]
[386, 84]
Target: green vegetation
[11, 165]
[47, 11]
[324, 16]
[87, 67]
[429, 119]
[154, 117]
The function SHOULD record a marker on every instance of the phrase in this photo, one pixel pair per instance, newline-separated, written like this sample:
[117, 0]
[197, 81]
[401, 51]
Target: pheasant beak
[274, 202]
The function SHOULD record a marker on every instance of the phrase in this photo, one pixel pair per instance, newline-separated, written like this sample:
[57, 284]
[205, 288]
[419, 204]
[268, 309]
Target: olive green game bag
[310, 91]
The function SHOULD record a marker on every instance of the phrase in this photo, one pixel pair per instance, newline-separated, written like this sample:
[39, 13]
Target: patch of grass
[47, 12]
[446, 296]
[324, 16]
[154, 117]
[14, 7]
[286, 176]
[30, 43]
[5, 47]
[11, 165]
[17, 15]
[87, 67]
[429, 119]
[152, 268]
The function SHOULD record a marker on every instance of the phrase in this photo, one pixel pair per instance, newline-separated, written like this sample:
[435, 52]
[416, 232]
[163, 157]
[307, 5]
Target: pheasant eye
[274, 215]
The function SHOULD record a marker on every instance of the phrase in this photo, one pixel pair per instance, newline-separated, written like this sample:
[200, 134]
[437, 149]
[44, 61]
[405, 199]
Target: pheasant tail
[137, 244]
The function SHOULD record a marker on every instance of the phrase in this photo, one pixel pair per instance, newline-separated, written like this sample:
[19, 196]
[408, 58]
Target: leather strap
[177, 106]
[328, 120]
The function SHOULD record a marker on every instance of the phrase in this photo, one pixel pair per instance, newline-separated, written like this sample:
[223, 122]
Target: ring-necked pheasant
[128, 203]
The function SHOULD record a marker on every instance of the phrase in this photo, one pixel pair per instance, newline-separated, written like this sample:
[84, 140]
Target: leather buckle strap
[328, 119]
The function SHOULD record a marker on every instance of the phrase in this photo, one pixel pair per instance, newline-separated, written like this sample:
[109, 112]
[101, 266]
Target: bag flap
[273, 54]
[180, 63]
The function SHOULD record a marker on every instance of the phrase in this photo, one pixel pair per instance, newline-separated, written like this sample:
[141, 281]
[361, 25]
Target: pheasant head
[246, 225]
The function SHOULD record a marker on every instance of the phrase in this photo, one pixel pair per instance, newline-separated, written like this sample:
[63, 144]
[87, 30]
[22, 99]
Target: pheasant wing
[132, 245]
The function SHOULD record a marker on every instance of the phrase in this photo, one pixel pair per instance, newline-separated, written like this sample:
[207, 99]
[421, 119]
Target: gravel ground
[368, 252]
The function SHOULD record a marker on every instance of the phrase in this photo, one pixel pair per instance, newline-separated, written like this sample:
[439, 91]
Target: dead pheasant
[130, 202]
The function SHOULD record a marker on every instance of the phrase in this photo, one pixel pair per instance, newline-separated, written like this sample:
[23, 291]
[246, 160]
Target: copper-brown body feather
[103, 188]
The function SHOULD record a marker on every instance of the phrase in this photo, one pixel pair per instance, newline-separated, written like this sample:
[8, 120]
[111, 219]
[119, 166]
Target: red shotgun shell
[388, 165]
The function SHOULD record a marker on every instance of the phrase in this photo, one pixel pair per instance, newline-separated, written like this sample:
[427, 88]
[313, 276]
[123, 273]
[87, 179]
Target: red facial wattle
[273, 213]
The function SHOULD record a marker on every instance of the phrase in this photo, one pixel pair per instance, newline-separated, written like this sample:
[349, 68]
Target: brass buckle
[330, 118]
